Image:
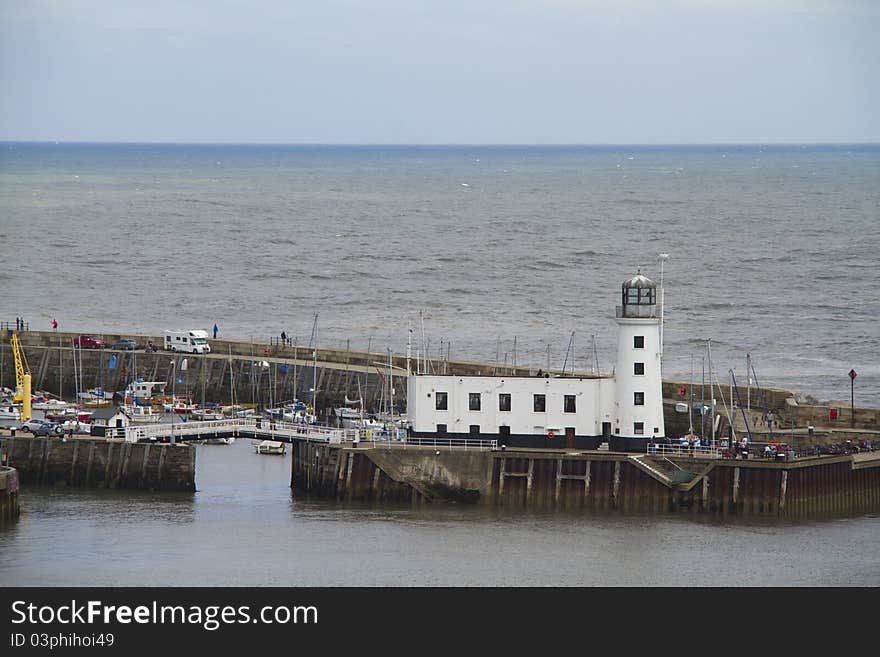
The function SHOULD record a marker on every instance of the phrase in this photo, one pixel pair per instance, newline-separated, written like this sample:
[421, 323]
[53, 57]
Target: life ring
[550, 435]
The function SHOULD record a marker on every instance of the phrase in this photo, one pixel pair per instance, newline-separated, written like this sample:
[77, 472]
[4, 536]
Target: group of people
[20, 324]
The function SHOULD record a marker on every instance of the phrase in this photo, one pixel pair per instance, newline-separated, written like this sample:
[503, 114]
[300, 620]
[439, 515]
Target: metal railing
[458, 443]
[642, 311]
[700, 451]
[271, 428]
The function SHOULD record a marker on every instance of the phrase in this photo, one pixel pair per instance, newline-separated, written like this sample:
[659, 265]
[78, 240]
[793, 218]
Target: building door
[569, 437]
[606, 431]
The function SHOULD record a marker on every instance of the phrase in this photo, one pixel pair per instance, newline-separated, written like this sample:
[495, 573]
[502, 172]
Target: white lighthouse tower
[639, 391]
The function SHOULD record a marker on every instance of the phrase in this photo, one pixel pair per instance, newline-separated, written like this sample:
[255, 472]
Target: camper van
[194, 341]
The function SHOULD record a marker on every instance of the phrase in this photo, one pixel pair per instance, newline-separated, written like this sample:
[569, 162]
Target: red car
[89, 342]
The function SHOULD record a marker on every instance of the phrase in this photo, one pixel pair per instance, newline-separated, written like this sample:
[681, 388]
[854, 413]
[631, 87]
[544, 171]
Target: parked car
[89, 342]
[41, 427]
[126, 344]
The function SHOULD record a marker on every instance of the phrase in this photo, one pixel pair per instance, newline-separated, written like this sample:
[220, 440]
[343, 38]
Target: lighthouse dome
[639, 291]
[638, 297]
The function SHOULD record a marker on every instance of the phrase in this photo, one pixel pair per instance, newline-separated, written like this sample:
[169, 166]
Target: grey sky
[440, 71]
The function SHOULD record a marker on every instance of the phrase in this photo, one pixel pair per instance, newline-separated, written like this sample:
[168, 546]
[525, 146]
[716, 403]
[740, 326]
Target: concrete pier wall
[9, 502]
[101, 463]
[611, 481]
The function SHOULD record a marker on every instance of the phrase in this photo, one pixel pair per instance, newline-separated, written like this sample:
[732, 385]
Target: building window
[638, 368]
[656, 429]
[504, 401]
[639, 428]
[639, 398]
[474, 401]
[441, 428]
[475, 429]
[638, 342]
[442, 401]
[570, 405]
[540, 403]
[504, 431]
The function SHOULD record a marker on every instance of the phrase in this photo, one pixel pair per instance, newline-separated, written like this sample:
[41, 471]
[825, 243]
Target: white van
[194, 341]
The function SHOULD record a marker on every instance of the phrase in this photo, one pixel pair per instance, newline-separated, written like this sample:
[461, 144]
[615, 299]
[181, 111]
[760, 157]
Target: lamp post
[663, 257]
[852, 391]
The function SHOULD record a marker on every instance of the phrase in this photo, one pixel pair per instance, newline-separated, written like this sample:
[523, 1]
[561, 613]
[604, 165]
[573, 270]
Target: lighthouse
[638, 412]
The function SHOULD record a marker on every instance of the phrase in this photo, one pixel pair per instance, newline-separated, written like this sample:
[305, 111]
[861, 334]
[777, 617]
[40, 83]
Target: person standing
[283, 338]
[216, 330]
[54, 324]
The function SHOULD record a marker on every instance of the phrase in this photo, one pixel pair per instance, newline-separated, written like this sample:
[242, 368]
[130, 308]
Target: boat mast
[691, 407]
[749, 382]
[567, 351]
[314, 342]
[231, 381]
[390, 387]
[703, 398]
[424, 346]
[409, 349]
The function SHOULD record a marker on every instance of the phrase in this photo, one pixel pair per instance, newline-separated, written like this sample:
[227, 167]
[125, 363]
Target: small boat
[206, 414]
[270, 447]
[9, 413]
[143, 414]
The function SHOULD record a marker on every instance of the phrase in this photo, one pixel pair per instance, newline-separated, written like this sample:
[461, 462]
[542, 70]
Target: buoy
[550, 435]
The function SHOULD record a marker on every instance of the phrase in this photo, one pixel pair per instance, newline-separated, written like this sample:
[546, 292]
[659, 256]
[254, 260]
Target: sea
[500, 254]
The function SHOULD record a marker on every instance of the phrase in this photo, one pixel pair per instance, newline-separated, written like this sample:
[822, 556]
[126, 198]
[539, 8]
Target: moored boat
[270, 447]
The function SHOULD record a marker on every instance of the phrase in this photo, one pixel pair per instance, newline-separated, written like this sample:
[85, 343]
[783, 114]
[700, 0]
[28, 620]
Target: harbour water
[245, 527]
[773, 251]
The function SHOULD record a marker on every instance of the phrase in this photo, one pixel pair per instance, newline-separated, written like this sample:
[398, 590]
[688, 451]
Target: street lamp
[852, 391]
[662, 257]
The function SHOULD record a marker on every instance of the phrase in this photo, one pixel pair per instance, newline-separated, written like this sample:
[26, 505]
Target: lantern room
[638, 297]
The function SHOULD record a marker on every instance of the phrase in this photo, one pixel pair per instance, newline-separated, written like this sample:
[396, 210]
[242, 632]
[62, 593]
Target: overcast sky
[440, 71]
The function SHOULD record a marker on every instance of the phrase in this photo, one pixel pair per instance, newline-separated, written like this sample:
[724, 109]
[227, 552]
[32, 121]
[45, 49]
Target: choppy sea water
[773, 250]
[244, 528]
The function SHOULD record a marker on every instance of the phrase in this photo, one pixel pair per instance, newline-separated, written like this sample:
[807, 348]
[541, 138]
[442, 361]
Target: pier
[479, 473]
[9, 502]
[232, 369]
[101, 463]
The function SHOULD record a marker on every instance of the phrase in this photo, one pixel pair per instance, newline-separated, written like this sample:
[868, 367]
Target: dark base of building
[619, 444]
[517, 440]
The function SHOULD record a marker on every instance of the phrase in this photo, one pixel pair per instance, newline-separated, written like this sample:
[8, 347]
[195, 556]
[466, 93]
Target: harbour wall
[341, 373]
[102, 463]
[9, 502]
[807, 487]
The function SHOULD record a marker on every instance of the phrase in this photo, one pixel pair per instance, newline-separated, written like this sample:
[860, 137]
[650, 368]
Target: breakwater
[809, 486]
[9, 502]
[102, 463]
[261, 373]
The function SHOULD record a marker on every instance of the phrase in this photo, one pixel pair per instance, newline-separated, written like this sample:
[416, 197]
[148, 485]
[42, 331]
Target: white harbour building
[557, 411]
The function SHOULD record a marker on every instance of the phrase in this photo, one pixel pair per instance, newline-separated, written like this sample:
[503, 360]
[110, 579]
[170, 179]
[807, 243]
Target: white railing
[459, 443]
[271, 428]
[684, 450]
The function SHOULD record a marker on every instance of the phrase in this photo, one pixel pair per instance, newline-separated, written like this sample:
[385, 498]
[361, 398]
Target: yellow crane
[22, 378]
